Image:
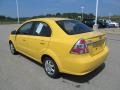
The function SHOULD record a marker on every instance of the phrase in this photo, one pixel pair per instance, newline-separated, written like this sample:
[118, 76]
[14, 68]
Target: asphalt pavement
[18, 72]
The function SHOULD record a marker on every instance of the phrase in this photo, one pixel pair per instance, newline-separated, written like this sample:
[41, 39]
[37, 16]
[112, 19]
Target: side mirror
[14, 32]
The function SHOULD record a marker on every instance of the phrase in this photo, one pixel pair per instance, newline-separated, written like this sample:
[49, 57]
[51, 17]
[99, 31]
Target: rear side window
[41, 29]
[73, 27]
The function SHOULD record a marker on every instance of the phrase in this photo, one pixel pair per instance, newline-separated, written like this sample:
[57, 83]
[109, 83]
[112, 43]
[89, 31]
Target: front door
[22, 37]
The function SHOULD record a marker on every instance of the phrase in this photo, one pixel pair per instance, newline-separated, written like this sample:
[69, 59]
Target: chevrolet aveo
[60, 45]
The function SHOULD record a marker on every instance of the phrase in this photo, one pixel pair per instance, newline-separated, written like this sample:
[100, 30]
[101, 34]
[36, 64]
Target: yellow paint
[58, 47]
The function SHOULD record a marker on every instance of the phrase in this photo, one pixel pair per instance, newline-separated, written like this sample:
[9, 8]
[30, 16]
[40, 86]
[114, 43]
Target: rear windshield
[73, 27]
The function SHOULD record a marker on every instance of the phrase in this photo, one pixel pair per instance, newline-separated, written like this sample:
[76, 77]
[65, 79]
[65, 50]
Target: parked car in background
[112, 23]
[60, 45]
[91, 22]
[102, 23]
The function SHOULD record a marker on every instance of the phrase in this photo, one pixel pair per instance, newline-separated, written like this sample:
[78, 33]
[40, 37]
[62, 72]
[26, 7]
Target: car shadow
[30, 59]
[85, 78]
[78, 79]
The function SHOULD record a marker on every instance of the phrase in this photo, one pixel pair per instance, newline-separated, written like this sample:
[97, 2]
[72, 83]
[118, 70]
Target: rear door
[39, 40]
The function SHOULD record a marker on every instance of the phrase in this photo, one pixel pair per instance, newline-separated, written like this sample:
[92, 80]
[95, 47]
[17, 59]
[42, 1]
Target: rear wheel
[12, 49]
[50, 67]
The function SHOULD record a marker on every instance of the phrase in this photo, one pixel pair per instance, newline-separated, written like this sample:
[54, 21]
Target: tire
[50, 67]
[12, 49]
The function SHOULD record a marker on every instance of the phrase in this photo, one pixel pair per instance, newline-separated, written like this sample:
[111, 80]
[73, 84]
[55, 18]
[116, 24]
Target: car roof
[49, 19]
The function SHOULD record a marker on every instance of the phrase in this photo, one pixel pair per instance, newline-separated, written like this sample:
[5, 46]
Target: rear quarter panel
[60, 45]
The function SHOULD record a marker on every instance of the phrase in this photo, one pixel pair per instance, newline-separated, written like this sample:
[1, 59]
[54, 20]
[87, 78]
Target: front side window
[41, 29]
[73, 27]
[25, 29]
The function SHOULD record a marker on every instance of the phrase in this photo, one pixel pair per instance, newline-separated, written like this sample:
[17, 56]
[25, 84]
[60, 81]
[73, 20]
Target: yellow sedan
[61, 45]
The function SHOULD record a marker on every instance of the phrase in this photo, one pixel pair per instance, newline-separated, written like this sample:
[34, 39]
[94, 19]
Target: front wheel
[50, 67]
[12, 49]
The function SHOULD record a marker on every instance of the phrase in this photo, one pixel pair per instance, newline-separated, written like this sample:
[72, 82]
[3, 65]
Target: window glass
[41, 29]
[72, 27]
[26, 29]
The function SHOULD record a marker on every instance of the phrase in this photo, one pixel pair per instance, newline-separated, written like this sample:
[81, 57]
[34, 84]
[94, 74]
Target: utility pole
[109, 16]
[82, 12]
[18, 20]
[95, 26]
[96, 12]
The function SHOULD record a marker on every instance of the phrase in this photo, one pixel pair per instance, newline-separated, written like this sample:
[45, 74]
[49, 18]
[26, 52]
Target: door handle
[42, 40]
[24, 40]
[42, 43]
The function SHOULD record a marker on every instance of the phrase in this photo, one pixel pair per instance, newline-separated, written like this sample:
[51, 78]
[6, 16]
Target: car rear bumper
[82, 66]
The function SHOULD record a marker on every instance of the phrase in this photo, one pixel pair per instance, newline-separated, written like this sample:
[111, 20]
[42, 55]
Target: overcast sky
[40, 7]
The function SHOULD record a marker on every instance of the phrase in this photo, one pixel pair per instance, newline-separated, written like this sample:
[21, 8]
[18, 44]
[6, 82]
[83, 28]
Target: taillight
[80, 47]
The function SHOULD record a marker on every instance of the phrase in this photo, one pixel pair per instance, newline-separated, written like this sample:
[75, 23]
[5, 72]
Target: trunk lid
[95, 41]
